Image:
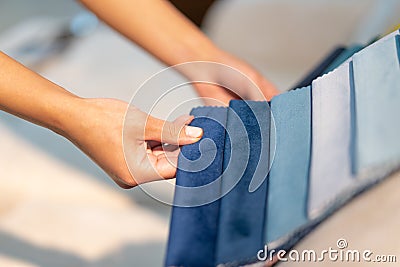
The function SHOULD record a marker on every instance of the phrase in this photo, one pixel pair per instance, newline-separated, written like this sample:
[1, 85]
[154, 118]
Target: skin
[96, 125]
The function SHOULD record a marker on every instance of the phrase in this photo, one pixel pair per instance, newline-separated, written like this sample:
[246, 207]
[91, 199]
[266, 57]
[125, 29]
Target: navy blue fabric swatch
[193, 230]
[288, 177]
[242, 213]
[320, 68]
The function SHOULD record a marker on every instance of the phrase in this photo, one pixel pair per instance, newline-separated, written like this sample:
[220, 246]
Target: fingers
[176, 133]
[166, 166]
[154, 151]
[157, 165]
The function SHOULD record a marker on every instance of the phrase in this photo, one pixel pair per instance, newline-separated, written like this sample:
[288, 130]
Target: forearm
[32, 97]
[156, 26]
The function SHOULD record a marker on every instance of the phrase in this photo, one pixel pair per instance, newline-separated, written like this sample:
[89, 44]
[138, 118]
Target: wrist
[69, 113]
[196, 47]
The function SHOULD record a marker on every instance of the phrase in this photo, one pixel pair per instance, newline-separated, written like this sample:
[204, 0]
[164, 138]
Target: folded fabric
[194, 221]
[320, 68]
[242, 213]
[330, 171]
[288, 177]
[377, 96]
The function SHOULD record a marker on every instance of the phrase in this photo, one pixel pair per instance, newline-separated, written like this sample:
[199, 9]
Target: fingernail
[194, 132]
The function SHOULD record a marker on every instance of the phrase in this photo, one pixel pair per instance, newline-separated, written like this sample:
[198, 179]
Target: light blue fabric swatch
[377, 98]
[330, 170]
[288, 177]
[242, 213]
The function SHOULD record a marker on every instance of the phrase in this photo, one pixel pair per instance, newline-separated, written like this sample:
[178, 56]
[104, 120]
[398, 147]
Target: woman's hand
[97, 126]
[238, 80]
[115, 142]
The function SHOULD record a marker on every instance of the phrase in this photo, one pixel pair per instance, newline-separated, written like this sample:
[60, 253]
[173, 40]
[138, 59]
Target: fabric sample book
[322, 144]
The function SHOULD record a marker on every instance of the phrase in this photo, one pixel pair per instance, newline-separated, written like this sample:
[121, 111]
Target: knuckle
[170, 131]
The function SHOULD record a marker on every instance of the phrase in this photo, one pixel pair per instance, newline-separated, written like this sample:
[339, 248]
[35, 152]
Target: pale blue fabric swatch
[330, 171]
[288, 177]
[377, 98]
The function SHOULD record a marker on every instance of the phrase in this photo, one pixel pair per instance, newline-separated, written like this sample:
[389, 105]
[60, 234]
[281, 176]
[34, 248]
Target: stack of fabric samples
[267, 173]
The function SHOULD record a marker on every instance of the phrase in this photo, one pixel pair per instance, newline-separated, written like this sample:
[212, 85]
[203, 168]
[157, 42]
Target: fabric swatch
[330, 171]
[377, 96]
[193, 230]
[242, 213]
[288, 177]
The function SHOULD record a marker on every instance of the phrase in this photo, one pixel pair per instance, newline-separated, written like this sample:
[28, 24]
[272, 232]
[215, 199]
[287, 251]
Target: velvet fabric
[242, 213]
[193, 231]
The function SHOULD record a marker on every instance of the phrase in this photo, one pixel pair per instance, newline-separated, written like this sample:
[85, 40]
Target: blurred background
[57, 208]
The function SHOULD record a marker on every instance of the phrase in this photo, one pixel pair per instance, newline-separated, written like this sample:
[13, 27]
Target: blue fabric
[345, 55]
[331, 171]
[193, 231]
[377, 96]
[351, 121]
[242, 213]
[320, 68]
[288, 178]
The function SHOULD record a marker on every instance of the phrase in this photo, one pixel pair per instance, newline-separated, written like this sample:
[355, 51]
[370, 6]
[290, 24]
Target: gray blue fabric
[193, 231]
[288, 177]
[345, 55]
[330, 171]
[377, 96]
[242, 213]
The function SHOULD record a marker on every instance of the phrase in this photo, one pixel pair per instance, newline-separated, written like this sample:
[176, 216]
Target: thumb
[175, 133]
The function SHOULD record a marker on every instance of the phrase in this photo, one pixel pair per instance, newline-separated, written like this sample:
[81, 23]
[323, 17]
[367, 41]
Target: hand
[235, 86]
[99, 133]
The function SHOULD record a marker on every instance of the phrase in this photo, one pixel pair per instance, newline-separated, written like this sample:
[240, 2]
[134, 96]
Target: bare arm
[156, 26]
[95, 125]
[26, 94]
[164, 32]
